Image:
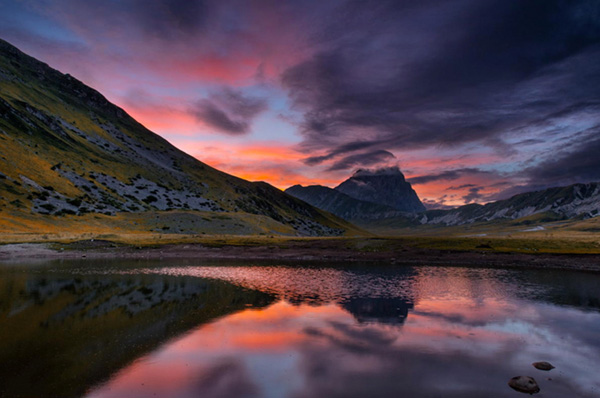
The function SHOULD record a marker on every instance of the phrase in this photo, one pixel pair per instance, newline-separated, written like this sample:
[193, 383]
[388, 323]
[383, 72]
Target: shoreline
[29, 252]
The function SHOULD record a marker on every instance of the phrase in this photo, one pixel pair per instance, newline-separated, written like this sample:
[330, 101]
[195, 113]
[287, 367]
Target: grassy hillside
[69, 155]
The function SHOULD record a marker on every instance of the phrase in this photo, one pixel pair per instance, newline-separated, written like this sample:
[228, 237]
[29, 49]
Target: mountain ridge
[572, 201]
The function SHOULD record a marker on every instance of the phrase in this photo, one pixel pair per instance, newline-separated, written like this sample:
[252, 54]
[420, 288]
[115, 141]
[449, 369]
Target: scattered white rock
[538, 228]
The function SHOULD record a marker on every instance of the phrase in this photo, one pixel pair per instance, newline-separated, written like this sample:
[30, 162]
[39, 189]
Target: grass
[391, 245]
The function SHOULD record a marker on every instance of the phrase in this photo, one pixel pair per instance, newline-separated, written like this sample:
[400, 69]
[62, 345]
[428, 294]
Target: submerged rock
[543, 365]
[526, 384]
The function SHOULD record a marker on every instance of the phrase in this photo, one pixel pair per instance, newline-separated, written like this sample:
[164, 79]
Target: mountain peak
[385, 186]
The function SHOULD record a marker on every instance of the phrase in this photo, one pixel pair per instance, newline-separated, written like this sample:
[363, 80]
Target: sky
[474, 100]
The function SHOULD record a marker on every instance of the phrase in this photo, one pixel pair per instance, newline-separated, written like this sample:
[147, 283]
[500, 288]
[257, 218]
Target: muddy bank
[315, 252]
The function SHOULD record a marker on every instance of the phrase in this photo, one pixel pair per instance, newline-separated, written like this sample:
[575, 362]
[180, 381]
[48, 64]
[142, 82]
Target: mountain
[578, 201]
[366, 196]
[385, 186]
[72, 160]
[341, 204]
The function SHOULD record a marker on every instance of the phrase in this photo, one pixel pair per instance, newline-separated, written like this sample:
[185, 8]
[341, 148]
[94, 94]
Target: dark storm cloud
[164, 19]
[473, 195]
[439, 204]
[169, 18]
[229, 111]
[418, 74]
[582, 164]
[458, 188]
[448, 175]
[362, 159]
[365, 80]
[342, 149]
[576, 162]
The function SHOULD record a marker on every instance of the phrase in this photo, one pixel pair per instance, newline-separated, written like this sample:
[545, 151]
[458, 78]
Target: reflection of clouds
[226, 379]
[304, 350]
[440, 356]
[241, 344]
[516, 332]
[469, 332]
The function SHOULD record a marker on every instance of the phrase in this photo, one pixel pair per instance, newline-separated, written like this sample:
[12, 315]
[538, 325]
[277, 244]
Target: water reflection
[61, 334]
[290, 350]
[417, 332]
[297, 332]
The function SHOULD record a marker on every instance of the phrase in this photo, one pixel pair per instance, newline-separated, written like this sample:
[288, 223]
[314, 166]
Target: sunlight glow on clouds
[474, 100]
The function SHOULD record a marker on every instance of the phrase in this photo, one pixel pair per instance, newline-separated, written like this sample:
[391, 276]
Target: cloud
[510, 85]
[229, 111]
[474, 195]
[453, 188]
[341, 150]
[439, 204]
[362, 159]
[448, 175]
[433, 74]
[577, 162]
[168, 19]
[582, 164]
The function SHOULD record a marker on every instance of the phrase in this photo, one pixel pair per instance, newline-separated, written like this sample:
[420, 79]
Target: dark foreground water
[184, 329]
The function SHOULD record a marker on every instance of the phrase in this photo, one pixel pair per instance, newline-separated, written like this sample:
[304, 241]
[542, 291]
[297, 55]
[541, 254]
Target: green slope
[67, 155]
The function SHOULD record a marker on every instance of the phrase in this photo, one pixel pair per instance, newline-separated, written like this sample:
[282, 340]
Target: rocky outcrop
[383, 186]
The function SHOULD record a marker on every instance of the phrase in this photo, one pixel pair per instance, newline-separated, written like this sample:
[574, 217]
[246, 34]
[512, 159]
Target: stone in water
[543, 365]
[524, 384]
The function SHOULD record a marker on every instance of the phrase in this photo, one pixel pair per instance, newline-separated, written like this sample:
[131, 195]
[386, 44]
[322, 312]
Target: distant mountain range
[383, 196]
[578, 201]
[69, 155]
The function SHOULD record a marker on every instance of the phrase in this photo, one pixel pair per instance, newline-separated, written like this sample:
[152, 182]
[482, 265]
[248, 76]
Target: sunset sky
[474, 100]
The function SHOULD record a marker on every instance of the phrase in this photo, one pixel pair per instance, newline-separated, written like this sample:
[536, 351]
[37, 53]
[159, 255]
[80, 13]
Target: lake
[108, 329]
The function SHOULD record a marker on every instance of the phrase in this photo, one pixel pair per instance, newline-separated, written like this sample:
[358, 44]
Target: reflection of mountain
[378, 310]
[61, 335]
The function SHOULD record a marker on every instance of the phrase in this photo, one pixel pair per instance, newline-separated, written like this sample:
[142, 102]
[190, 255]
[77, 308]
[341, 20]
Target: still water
[188, 329]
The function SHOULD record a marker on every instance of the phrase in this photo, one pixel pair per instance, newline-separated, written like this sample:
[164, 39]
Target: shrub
[48, 206]
[150, 199]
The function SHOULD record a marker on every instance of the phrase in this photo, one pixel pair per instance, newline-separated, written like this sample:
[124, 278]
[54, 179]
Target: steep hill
[69, 157]
[383, 186]
[341, 204]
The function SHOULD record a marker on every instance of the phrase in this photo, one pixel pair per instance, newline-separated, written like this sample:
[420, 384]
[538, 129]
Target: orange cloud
[275, 163]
